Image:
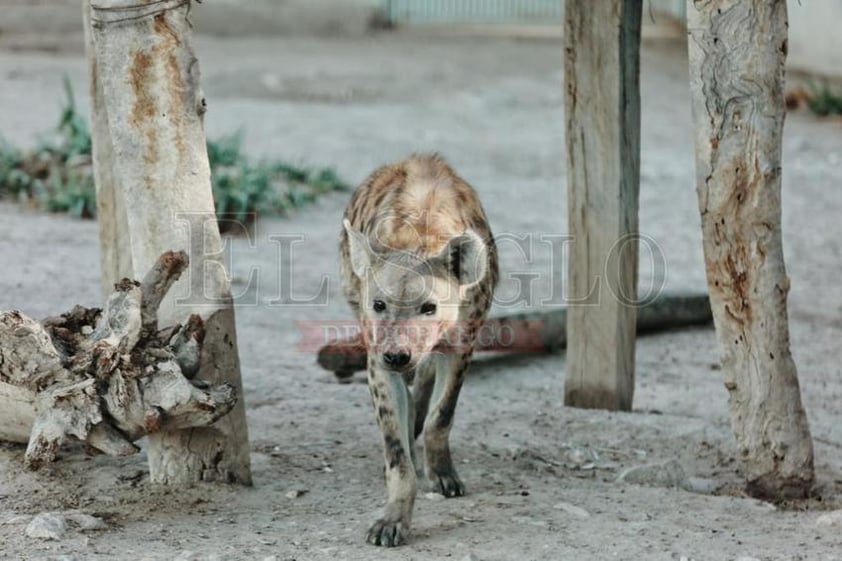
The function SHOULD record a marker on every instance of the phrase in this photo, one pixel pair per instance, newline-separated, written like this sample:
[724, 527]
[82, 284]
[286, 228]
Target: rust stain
[153, 420]
[732, 269]
[735, 268]
[144, 72]
[176, 86]
[143, 110]
[140, 74]
[162, 27]
[742, 187]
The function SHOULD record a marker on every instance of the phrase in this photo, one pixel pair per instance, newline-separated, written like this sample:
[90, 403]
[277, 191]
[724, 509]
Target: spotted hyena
[419, 268]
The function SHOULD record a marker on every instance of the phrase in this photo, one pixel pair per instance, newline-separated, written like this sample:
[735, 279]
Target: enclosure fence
[476, 11]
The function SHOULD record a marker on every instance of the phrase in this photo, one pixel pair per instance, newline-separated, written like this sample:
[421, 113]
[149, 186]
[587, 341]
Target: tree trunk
[151, 160]
[115, 250]
[737, 55]
[602, 105]
[104, 377]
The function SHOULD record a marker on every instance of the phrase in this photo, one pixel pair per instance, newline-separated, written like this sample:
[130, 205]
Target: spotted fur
[419, 268]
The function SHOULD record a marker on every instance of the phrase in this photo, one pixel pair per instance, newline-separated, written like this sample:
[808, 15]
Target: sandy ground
[540, 477]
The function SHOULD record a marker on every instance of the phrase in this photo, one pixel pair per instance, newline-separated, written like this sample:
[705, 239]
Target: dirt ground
[541, 478]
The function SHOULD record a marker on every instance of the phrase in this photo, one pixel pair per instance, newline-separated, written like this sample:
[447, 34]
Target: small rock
[578, 456]
[576, 511]
[762, 505]
[470, 557]
[271, 558]
[47, 526]
[830, 519]
[528, 521]
[295, 493]
[667, 474]
[17, 519]
[86, 522]
[701, 485]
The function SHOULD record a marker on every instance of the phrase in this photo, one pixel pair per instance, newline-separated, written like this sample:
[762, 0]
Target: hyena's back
[415, 205]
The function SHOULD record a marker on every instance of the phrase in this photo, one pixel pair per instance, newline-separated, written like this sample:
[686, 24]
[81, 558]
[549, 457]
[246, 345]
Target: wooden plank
[602, 104]
[737, 55]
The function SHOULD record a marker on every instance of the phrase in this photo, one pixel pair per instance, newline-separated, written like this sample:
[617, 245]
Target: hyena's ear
[466, 257]
[360, 250]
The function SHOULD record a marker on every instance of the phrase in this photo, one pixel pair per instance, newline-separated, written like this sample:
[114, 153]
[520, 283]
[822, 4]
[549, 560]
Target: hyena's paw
[446, 482]
[388, 533]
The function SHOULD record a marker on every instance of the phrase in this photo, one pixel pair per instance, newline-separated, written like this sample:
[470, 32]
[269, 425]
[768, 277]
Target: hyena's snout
[401, 344]
[396, 354]
[399, 358]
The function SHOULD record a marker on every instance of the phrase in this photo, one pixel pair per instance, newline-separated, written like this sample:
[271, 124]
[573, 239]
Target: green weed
[58, 176]
[823, 102]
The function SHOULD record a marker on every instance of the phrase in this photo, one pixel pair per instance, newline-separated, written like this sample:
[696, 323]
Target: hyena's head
[410, 304]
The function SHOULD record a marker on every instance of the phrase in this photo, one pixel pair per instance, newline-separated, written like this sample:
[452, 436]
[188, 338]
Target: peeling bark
[151, 163]
[98, 376]
[737, 55]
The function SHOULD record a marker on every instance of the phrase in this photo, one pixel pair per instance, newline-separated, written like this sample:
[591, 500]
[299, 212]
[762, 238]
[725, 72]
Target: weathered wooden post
[737, 54]
[154, 191]
[602, 104]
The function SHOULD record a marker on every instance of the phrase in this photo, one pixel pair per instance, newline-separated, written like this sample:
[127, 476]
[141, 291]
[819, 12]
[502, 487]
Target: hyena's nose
[396, 360]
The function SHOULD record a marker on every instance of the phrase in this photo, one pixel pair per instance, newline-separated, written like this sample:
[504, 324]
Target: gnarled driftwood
[105, 377]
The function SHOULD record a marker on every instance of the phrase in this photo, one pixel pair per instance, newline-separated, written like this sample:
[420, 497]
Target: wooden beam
[602, 105]
[737, 53]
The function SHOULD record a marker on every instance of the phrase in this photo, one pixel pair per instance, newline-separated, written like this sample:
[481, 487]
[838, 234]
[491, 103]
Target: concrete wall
[216, 17]
[815, 36]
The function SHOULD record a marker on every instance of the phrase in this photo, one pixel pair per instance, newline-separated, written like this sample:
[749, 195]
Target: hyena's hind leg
[395, 417]
[438, 463]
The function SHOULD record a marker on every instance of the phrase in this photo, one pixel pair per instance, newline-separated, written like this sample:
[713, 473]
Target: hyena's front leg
[394, 409]
[438, 464]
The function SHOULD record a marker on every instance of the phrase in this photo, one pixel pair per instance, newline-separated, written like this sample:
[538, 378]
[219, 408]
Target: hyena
[419, 268]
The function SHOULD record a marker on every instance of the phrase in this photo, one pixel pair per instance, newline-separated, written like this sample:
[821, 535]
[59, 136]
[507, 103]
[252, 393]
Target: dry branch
[105, 377]
[534, 331]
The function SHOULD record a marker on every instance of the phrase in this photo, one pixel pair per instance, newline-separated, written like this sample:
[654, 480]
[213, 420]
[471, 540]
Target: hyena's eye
[428, 309]
[379, 306]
